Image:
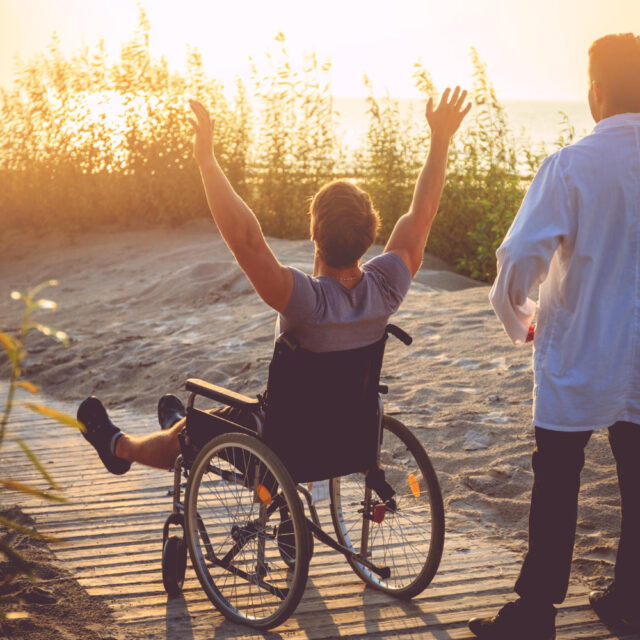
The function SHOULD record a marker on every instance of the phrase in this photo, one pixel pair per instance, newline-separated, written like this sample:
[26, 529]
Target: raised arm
[410, 234]
[237, 223]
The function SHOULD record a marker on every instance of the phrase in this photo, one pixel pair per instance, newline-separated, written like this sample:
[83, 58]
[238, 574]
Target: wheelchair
[247, 470]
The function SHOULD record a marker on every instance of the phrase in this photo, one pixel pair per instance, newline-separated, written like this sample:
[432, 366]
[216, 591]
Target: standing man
[577, 234]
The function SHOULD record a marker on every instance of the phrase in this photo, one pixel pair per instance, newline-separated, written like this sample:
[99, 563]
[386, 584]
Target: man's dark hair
[343, 223]
[614, 62]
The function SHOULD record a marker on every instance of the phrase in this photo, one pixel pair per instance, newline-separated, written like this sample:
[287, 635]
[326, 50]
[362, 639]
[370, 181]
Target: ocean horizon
[539, 122]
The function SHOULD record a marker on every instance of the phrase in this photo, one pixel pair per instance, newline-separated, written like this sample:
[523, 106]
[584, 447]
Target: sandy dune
[147, 309]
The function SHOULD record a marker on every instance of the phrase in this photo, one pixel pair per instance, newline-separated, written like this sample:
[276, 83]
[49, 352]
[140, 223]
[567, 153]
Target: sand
[58, 607]
[146, 310]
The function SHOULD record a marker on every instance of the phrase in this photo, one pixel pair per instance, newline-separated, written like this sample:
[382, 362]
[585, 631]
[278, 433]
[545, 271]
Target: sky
[533, 50]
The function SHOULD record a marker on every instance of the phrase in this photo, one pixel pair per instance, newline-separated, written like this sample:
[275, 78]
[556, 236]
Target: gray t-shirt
[324, 315]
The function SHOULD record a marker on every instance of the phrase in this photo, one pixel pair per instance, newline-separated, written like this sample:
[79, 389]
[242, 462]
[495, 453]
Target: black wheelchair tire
[298, 574]
[174, 565]
[436, 542]
[286, 530]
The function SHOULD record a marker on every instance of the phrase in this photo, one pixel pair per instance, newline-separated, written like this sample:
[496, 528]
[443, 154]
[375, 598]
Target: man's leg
[617, 605]
[118, 450]
[624, 438]
[158, 449]
[558, 459]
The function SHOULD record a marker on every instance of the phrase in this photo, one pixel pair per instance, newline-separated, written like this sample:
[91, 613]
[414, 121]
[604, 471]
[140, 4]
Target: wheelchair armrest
[403, 336]
[213, 392]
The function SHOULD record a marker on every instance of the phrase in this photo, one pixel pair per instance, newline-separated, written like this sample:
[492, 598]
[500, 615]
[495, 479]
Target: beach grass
[87, 141]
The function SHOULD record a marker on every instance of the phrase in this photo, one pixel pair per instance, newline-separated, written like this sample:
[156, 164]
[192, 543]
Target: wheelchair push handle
[403, 336]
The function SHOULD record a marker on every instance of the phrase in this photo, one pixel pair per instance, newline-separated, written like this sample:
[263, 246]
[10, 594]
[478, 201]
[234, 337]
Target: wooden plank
[111, 528]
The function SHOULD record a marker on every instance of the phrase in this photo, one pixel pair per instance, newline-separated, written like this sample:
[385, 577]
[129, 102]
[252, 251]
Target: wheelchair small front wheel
[174, 565]
[236, 494]
[407, 537]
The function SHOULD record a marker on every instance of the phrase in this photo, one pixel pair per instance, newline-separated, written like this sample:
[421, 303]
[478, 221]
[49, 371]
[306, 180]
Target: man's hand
[203, 147]
[410, 234]
[445, 120]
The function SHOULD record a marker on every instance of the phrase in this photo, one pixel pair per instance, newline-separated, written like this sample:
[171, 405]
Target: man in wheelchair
[343, 307]
[321, 417]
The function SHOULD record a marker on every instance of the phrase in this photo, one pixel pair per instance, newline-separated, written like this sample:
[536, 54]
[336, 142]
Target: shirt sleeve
[306, 300]
[544, 220]
[393, 277]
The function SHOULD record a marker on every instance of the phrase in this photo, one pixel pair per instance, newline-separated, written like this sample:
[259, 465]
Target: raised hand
[446, 118]
[203, 126]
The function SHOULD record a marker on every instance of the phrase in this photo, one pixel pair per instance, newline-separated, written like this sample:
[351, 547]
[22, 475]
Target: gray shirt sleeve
[306, 298]
[393, 276]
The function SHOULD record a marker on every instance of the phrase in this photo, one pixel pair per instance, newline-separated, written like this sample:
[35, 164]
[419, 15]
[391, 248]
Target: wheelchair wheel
[174, 564]
[236, 492]
[285, 537]
[409, 539]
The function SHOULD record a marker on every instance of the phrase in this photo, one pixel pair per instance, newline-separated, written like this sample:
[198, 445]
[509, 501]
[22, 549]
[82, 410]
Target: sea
[537, 123]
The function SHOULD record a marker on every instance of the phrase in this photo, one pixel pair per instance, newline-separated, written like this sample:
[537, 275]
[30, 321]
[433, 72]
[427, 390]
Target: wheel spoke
[403, 541]
[242, 494]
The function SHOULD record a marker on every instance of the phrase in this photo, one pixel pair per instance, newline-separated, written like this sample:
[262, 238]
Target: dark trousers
[558, 459]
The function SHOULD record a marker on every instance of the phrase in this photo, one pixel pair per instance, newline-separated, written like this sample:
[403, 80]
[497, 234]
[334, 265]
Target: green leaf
[46, 304]
[21, 564]
[14, 615]
[8, 343]
[58, 416]
[32, 533]
[43, 285]
[35, 462]
[29, 386]
[49, 331]
[20, 487]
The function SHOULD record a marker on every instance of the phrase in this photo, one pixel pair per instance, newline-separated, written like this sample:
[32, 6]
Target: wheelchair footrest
[383, 572]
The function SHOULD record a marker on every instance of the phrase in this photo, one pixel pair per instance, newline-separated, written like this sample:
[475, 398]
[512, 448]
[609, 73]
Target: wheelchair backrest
[322, 409]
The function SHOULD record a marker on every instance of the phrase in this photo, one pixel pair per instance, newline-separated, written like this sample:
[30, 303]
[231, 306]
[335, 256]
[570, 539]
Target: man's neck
[608, 111]
[345, 275]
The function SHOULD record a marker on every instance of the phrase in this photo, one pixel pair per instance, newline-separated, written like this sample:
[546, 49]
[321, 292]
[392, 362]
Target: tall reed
[85, 141]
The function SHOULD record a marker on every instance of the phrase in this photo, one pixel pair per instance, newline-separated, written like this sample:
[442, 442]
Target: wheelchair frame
[374, 510]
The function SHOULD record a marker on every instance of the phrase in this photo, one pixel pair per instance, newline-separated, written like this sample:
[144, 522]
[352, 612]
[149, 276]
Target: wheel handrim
[232, 519]
[406, 540]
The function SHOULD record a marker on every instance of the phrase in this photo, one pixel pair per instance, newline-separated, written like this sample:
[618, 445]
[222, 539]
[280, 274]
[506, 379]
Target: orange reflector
[264, 495]
[414, 486]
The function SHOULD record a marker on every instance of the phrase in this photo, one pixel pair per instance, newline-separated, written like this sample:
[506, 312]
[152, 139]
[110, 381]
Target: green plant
[15, 350]
[488, 174]
[104, 142]
[388, 160]
[296, 147]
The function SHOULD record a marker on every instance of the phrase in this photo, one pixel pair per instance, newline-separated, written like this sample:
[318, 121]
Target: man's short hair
[343, 223]
[614, 62]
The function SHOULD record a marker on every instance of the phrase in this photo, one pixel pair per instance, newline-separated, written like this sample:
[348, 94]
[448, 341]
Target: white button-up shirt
[577, 234]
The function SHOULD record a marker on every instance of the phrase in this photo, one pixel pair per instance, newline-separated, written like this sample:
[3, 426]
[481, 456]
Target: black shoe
[100, 432]
[615, 610]
[375, 480]
[170, 410]
[517, 620]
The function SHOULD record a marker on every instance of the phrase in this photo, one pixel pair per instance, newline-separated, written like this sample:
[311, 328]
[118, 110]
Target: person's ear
[598, 91]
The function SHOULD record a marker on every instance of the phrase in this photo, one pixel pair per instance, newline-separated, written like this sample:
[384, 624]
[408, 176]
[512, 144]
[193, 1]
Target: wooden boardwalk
[112, 531]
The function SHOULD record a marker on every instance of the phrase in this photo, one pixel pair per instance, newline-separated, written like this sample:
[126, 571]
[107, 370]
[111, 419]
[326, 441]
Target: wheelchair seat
[322, 415]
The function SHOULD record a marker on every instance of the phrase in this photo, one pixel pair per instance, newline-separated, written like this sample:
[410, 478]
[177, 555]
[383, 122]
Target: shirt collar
[619, 120]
